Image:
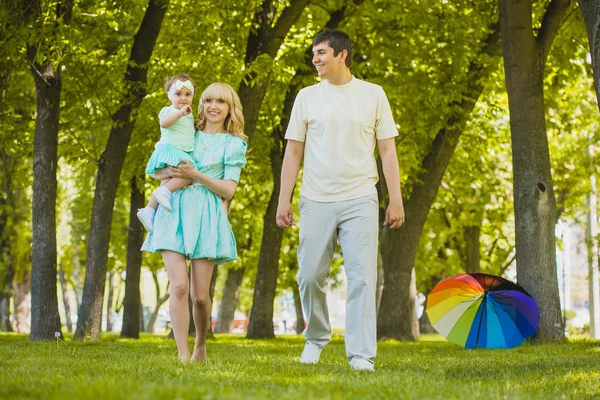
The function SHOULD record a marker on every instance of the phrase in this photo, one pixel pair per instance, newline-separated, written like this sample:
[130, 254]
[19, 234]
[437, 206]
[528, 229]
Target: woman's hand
[184, 171]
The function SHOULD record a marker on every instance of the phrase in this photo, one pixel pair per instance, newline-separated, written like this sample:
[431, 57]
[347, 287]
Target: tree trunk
[298, 306]
[592, 242]
[397, 316]
[45, 320]
[265, 40]
[211, 294]
[534, 202]
[22, 305]
[160, 300]
[379, 288]
[141, 325]
[473, 258]
[260, 325]
[590, 9]
[65, 297]
[110, 302]
[5, 313]
[77, 280]
[8, 264]
[132, 301]
[229, 301]
[109, 170]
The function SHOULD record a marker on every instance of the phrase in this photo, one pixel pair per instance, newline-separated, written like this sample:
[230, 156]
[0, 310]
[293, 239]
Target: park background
[496, 106]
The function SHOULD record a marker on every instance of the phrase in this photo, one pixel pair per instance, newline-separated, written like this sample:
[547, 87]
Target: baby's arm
[170, 119]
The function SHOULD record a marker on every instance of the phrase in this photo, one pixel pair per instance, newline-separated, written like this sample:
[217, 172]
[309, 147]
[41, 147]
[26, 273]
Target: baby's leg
[178, 183]
[152, 203]
[146, 214]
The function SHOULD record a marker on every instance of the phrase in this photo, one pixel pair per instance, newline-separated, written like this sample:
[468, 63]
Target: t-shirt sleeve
[164, 112]
[298, 125]
[235, 159]
[385, 127]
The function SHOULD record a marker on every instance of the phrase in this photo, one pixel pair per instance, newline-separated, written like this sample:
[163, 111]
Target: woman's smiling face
[215, 110]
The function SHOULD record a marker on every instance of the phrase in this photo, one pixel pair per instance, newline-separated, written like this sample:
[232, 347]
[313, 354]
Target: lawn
[430, 369]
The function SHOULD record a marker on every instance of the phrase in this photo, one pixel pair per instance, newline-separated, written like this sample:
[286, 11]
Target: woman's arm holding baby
[223, 188]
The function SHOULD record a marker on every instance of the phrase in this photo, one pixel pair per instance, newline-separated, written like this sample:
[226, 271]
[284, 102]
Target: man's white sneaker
[360, 364]
[146, 217]
[163, 196]
[311, 353]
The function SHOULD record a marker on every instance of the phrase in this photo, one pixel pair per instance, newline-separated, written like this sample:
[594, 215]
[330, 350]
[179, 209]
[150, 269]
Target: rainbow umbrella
[481, 310]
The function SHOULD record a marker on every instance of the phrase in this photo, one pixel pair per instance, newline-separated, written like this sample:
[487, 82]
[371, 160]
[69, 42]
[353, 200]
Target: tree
[44, 58]
[265, 41]
[590, 9]
[397, 316]
[525, 55]
[261, 317]
[109, 169]
[132, 302]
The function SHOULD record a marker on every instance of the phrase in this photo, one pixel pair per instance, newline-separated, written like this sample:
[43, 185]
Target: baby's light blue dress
[197, 226]
[176, 142]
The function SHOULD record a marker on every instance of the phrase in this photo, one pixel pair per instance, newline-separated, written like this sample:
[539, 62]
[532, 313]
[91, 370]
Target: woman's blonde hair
[234, 123]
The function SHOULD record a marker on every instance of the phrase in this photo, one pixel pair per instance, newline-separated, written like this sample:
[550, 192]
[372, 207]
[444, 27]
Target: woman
[197, 227]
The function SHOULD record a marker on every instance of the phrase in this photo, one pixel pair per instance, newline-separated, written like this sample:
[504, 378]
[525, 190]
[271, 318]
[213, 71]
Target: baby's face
[182, 97]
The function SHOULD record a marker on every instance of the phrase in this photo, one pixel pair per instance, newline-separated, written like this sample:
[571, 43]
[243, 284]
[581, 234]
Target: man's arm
[294, 152]
[394, 215]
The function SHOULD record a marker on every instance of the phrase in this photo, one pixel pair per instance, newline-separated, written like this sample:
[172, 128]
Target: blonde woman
[197, 227]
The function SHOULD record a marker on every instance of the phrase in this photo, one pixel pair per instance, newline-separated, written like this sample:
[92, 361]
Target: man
[334, 125]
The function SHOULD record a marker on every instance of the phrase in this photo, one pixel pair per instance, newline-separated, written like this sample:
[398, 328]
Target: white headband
[178, 85]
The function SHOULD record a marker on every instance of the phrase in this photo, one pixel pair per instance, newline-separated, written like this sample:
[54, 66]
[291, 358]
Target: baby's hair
[234, 123]
[172, 79]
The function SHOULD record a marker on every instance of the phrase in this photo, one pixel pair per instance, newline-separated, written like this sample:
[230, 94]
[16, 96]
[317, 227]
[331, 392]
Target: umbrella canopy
[481, 310]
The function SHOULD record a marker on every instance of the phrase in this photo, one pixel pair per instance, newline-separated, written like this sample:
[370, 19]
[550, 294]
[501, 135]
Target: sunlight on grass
[246, 369]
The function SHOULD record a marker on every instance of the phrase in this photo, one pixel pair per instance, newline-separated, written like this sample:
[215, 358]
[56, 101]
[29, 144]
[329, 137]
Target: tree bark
[22, 304]
[141, 325]
[160, 300]
[298, 306]
[534, 201]
[590, 9]
[260, 325]
[109, 170]
[132, 301]
[110, 302]
[6, 277]
[65, 297]
[265, 40]
[473, 257]
[229, 301]
[397, 316]
[45, 320]
[211, 294]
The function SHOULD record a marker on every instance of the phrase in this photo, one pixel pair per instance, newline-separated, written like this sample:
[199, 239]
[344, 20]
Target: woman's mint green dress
[197, 226]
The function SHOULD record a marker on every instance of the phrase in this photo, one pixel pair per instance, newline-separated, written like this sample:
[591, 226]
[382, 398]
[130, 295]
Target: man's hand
[185, 170]
[394, 216]
[285, 215]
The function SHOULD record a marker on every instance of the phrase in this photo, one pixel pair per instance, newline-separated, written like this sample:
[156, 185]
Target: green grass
[431, 369]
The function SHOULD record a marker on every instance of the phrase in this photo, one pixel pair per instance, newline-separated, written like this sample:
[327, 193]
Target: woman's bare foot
[185, 358]
[199, 355]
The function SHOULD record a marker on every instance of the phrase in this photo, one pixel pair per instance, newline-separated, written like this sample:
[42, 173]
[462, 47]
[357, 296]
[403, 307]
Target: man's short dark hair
[337, 40]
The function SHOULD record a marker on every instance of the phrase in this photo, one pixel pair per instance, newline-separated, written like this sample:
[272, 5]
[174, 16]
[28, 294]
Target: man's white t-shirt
[339, 125]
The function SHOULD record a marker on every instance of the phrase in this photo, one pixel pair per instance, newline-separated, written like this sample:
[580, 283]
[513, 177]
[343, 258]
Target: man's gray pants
[355, 224]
